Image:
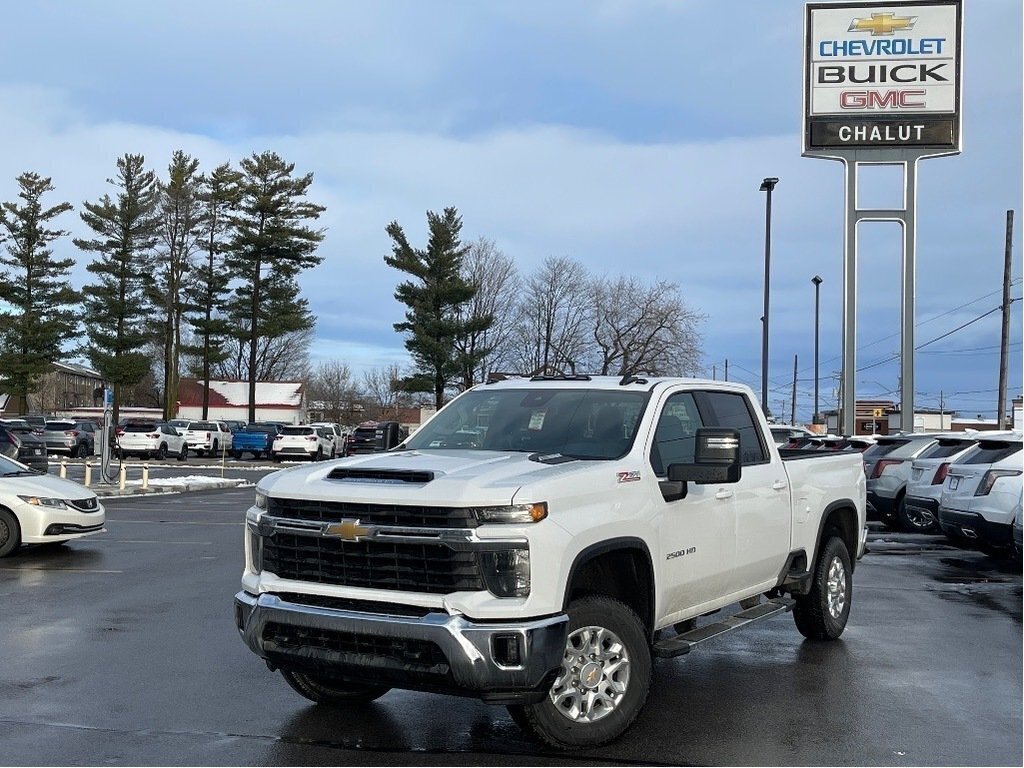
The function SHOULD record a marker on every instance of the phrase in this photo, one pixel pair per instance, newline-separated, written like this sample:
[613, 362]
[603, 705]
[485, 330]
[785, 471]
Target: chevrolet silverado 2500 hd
[537, 542]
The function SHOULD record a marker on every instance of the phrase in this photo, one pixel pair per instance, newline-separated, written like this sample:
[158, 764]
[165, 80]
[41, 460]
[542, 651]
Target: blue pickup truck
[255, 439]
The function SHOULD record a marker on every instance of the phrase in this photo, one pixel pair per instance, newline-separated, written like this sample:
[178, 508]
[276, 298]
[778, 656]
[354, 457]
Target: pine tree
[36, 286]
[208, 289]
[181, 213]
[126, 231]
[432, 320]
[270, 245]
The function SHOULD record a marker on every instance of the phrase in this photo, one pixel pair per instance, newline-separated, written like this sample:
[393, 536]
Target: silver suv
[887, 466]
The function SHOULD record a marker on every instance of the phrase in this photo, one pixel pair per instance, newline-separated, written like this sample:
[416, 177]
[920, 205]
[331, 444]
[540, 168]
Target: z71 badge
[629, 477]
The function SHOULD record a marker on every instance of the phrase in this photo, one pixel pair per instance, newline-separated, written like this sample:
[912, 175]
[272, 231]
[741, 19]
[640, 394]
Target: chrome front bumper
[362, 647]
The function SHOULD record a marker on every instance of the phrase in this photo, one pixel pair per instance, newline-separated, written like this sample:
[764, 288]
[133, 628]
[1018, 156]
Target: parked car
[982, 493]
[783, 433]
[180, 425]
[1018, 533]
[257, 439]
[927, 476]
[211, 437]
[887, 467]
[362, 440]
[336, 434]
[302, 441]
[38, 509]
[75, 438]
[29, 448]
[151, 440]
[36, 421]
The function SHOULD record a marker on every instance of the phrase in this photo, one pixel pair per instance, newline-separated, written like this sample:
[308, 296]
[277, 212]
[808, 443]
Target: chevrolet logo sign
[883, 24]
[347, 530]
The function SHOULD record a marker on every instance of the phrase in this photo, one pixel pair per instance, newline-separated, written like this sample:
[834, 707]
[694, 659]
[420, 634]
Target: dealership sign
[882, 75]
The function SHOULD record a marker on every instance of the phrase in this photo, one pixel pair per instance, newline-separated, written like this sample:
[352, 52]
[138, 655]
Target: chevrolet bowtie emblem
[883, 24]
[347, 530]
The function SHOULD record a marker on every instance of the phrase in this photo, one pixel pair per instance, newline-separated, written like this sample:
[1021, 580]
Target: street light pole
[767, 185]
[817, 312]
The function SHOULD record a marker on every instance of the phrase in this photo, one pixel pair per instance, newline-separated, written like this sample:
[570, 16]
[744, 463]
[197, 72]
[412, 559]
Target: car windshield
[11, 468]
[577, 423]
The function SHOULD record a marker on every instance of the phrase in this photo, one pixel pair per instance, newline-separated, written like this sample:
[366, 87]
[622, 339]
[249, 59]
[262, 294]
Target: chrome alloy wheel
[836, 588]
[594, 675]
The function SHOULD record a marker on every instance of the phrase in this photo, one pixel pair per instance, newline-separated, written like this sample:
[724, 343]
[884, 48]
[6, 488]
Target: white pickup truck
[537, 542]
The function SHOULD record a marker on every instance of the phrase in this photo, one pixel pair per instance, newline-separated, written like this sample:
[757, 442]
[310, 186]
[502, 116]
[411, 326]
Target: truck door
[762, 496]
[696, 532]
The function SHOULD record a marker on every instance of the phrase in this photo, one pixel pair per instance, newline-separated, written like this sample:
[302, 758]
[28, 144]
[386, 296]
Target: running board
[680, 644]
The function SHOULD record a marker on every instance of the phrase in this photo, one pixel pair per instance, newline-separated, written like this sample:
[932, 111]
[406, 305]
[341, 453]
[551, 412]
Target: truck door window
[674, 435]
[731, 410]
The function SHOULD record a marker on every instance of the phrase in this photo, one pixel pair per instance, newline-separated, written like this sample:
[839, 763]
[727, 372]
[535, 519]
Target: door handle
[724, 493]
[779, 485]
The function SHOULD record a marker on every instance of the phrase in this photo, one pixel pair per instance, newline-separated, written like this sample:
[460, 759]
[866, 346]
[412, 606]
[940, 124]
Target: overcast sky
[631, 135]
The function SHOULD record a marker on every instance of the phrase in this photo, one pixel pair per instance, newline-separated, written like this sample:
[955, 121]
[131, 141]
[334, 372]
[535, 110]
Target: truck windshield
[578, 423]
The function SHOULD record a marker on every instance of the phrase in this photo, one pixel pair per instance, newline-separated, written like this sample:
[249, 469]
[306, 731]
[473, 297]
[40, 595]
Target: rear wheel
[183, 453]
[161, 452]
[913, 519]
[603, 682]
[10, 533]
[83, 451]
[328, 690]
[319, 454]
[236, 455]
[822, 613]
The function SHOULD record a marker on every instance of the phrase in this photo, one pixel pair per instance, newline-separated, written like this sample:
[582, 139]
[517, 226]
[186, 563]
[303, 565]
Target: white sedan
[38, 509]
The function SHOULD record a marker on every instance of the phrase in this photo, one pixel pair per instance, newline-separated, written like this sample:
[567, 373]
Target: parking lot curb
[163, 489]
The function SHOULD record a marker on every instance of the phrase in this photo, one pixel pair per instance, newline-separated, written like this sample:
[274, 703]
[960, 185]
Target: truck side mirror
[716, 459]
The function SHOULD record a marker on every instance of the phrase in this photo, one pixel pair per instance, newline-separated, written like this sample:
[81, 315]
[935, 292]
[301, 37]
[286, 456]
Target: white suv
[927, 476]
[150, 440]
[334, 434]
[982, 493]
[303, 441]
[887, 467]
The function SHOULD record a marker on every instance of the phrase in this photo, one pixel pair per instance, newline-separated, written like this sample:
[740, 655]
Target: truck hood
[435, 477]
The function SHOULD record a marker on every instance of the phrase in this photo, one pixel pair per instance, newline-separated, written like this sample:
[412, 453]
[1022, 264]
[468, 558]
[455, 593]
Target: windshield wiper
[18, 473]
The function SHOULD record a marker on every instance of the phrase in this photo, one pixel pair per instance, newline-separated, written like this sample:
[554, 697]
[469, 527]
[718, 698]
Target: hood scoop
[381, 476]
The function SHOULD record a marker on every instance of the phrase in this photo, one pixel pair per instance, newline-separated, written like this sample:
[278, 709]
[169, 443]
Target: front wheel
[10, 533]
[328, 690]
[603, 682]
[822, 613]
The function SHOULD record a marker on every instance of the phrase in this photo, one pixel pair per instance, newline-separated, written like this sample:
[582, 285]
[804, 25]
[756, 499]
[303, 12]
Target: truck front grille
[431, 568]
[372, 514]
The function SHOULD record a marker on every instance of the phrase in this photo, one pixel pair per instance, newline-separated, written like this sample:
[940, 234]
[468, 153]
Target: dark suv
[18, 441]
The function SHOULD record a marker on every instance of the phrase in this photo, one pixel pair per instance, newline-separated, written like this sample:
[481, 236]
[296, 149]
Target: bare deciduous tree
[333, 392]
[552, 328]
[637, 328]
[278, 358]
[496, 280]
[381, 390]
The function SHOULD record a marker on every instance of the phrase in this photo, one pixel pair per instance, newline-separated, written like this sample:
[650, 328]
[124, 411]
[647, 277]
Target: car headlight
[261, 500]
[506, 572]
[514, 513]
[41, 501]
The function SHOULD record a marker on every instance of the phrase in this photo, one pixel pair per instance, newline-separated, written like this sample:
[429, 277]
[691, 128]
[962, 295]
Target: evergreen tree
[181, 213]
[36, 286]
[432, 319]
[126, 231]
[271, 243]
[208, 288]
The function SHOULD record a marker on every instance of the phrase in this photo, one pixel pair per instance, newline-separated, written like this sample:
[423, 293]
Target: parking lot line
[69, 570]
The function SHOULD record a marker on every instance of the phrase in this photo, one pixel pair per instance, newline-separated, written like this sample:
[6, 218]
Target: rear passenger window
[731, 411]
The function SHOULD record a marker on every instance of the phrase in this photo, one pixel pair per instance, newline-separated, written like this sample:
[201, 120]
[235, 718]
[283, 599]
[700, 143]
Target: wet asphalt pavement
[121, 650]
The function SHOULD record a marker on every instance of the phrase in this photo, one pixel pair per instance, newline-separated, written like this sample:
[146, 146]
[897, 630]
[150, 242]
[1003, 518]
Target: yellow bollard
[88, 473]
[121, 479]
[63, 470]
[145, 475]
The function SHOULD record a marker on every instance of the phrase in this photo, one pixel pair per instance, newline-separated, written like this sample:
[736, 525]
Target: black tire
[83, 451]
[236, 455]
[326, 690]
[161, 452]
[822, 613]
[623, 643]
[319, 455]
[183, 453]
[216, 448]
[257, 455]
[10, 533]
[912, 521]
[277, 459]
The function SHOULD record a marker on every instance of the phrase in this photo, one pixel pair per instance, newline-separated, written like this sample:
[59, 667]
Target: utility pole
[714, 373]
[942, 411]
[727, 369]
[1005, 341]
[792, 413]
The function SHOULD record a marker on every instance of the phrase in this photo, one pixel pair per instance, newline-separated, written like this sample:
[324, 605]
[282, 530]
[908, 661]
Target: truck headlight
[506, 572]
[261, 500]
[513, 513]
[40, 501]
